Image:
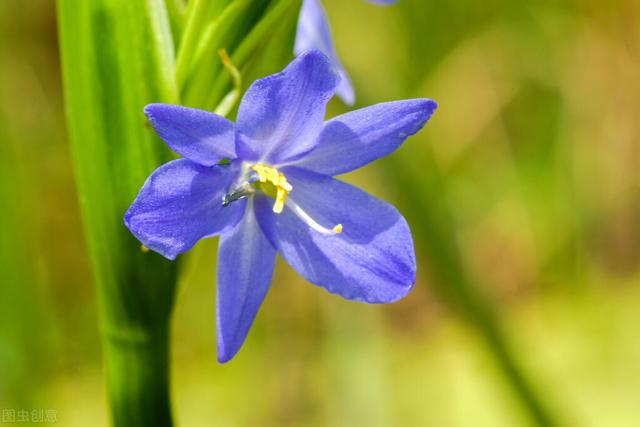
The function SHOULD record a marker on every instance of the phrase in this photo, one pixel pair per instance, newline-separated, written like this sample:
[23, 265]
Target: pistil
[305, 217]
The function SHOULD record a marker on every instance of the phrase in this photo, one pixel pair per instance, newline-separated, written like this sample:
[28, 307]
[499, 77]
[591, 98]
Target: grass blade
[117, 56]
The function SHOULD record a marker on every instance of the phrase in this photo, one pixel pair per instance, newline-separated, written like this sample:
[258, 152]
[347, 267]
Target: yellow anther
[262, 174]
[270, 174]
[281, 197]
[282, 182]
[338, 229]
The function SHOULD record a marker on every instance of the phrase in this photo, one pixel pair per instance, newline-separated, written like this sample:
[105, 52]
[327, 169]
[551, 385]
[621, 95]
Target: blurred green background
[530, 167]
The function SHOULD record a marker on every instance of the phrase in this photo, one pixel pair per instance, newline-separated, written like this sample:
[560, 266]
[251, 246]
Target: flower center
[273, 183]
[270, 175]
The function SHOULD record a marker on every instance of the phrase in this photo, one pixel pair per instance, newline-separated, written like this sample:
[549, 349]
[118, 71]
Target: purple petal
[245, 265]
[354, 139]
[198, 135]
[281, 115]
[372, 260]
[314, 33]
[180, 203]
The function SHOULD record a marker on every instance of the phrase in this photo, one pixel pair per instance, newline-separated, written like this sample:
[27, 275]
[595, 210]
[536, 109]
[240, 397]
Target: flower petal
[372, 260]
[200, 136]
[281, 115]
[314, 33]
[354, 139]
[245, 266]
[180, 203]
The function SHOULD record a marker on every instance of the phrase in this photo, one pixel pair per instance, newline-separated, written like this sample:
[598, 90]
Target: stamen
[300, 213]
[281, 198]
[270, 174]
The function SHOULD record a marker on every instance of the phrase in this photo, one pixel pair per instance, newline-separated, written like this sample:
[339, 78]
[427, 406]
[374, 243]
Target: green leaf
[198, 13]
[177, 16]
[270, 43]
[219, 34]
[117, 56]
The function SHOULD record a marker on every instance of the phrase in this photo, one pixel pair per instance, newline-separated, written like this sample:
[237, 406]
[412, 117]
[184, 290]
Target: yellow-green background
[537, 139]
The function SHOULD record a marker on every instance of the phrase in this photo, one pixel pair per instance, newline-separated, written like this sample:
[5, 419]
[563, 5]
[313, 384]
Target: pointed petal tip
[130, 224]
[400, 295]
[398, 292]
[179, 204]
[377, 299]
[245, 266]
[227, 348]
[317, 61]
[427, 104]
[224, 356]
[425, 107]
[349, 102]
[345, 90]
[151, 109]
[356, 138]
[199, 135]
[431, 104]
[401, 287]
[430, 107]
[280, 115]
[314, 55]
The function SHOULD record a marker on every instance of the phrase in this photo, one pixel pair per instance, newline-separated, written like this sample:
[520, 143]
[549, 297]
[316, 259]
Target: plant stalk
[137, 370]
[117, 56]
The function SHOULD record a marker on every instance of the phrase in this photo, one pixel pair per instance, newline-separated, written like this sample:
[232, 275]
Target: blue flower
[265, 185]
[314, 33]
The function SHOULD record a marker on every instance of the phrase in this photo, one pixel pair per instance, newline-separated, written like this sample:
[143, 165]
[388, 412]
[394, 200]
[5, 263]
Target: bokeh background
[523, 192]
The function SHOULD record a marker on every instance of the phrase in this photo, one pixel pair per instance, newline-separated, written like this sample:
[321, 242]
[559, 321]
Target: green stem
[117, 56]
[137, 379]
[135, 313]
